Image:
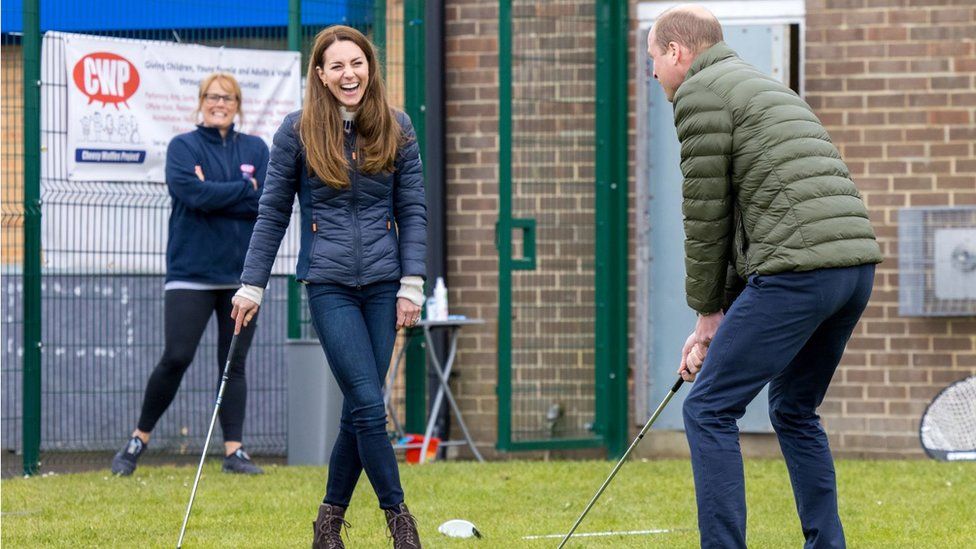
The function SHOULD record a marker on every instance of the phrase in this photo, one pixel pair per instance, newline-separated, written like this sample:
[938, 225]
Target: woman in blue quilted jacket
[355, 165]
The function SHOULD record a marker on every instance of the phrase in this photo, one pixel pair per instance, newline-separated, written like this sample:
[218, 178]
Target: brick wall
[893, 80]
[895, 84]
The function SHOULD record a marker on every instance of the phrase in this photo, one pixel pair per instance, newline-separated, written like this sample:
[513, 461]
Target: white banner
[109, 108]
[127, 99]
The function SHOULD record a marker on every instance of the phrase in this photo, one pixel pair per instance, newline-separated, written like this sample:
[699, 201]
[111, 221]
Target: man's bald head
[692, 26]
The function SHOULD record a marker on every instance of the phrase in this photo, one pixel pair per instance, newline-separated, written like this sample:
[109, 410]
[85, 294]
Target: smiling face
[345, 72]
[219, 105]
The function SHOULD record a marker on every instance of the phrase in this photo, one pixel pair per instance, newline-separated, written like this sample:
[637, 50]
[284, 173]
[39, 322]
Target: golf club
[674, 389]
[206, 445]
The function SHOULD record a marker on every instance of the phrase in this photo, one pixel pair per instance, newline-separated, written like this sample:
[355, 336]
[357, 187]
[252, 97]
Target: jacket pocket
[740, 244]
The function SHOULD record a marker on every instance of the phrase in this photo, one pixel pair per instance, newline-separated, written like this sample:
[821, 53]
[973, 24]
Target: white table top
[449, 322]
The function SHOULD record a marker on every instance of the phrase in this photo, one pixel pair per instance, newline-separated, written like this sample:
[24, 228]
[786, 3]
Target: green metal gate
[562, 226]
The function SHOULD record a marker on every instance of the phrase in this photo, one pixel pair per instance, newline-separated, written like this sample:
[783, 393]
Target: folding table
[443, 371]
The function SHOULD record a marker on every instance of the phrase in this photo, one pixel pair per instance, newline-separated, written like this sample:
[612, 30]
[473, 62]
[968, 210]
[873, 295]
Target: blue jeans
[357, 328]
[788, 330]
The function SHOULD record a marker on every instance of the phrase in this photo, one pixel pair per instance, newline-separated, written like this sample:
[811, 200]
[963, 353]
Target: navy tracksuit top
[212, 220]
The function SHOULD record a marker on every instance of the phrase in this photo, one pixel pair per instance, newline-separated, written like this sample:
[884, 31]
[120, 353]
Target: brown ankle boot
[403, 527]
[327, 528]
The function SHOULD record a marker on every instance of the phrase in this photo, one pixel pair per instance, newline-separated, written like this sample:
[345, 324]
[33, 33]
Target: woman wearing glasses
[215, 177]
[354, 163]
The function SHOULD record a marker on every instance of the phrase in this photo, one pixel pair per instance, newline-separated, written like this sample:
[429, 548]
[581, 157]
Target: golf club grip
[677, 385]
[231, 350]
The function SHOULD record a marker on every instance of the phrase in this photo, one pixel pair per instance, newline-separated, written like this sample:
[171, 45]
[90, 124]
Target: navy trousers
[788, 330]
[357, 329]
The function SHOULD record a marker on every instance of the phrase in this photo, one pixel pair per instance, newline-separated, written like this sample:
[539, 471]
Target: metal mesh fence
[103, 326]
[553, 161]
[11, 249]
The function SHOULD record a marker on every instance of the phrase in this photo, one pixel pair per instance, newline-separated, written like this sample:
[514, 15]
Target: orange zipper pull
[388, 226]
[353, 155]
[315, 227]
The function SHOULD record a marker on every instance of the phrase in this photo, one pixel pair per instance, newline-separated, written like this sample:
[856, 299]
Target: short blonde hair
[229, 81]
[687, 28]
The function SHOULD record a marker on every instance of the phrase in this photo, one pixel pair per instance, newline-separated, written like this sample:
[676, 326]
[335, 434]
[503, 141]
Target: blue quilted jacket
[374, 230]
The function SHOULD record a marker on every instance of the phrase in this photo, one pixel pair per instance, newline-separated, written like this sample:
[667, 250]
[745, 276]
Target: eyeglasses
[214, 98]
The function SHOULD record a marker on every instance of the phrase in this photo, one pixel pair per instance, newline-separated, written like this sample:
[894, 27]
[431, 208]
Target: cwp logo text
[106, 77]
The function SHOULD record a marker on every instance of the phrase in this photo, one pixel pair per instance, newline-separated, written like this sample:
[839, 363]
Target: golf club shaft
[620, 463]
[206, 445]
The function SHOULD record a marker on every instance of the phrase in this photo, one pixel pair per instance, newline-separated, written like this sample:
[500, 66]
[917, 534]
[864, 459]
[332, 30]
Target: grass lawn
[884, 504]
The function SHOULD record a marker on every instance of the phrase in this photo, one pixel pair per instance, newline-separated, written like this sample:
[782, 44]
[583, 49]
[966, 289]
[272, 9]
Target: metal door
[669, 320]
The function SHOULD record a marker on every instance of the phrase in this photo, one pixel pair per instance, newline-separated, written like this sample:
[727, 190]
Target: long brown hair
[321, 128]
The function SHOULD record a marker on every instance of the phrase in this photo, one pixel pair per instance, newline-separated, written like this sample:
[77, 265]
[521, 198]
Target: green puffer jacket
[764, 188]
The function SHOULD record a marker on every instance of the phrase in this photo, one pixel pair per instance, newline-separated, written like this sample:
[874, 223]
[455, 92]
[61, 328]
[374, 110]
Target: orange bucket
[413, 454]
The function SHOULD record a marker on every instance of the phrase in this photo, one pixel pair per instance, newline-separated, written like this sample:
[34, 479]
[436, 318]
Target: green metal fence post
[503, 230]
[414, 97]
[294, 25]
[611, 233]
[619, 190]
[294, 328]
[379, 32]
[294, 308]
[31, 50]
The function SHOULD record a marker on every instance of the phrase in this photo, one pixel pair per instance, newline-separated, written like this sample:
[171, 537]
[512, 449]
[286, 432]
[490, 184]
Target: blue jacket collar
[213, 134]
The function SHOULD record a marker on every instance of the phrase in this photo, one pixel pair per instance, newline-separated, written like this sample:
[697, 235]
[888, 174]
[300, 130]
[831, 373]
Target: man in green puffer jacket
[766, 195]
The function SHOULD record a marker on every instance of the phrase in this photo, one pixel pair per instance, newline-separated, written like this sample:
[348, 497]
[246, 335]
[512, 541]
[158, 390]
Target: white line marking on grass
[597, 534]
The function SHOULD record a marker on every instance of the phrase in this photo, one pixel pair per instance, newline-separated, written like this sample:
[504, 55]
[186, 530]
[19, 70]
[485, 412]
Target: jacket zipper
[227, 162]
[315, 239]
[355, 218]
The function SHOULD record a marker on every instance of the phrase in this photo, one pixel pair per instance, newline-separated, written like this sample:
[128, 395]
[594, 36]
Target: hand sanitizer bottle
[440, 297]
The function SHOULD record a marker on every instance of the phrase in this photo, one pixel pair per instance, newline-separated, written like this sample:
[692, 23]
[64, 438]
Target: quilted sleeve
[704, 125]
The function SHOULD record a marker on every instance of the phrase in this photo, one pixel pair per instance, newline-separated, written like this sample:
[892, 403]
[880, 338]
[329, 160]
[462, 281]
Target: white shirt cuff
[412, 288]
[251, 293]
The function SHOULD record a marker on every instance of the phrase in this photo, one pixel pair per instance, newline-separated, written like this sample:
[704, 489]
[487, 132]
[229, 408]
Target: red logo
[106, 77]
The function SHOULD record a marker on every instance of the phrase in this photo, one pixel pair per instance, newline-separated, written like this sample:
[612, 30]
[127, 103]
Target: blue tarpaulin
[118, 15]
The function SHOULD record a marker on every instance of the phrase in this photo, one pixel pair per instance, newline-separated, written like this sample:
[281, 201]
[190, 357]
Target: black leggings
[186, 315]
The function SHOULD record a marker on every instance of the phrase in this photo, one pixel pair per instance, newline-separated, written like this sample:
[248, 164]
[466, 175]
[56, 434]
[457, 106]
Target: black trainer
[240, 463]
[124, 462]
